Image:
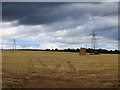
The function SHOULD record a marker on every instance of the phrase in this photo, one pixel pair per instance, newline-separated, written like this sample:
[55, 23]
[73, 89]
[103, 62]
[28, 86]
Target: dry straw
[71, 66]
[82, 51]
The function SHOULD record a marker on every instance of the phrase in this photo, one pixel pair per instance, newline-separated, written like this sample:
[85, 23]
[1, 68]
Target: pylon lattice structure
[14, 44]
[1, 46]
[94, 40]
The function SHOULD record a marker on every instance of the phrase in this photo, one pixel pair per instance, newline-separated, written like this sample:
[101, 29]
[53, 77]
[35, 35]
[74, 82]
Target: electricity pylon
[14, 44]
[93, 42]
[2, 47]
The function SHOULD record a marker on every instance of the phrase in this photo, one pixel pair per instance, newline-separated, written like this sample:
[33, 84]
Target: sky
[43, 25]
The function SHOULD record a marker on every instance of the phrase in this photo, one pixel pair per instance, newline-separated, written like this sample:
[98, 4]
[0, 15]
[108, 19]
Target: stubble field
[42, 69]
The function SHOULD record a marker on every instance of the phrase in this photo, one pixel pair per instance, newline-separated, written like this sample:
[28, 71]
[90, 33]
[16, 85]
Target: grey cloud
[63, 23]
[47, 13]
[24, 10]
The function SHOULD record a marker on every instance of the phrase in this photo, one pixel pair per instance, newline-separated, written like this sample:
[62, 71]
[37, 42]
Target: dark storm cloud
[29, 12]
[48, 13]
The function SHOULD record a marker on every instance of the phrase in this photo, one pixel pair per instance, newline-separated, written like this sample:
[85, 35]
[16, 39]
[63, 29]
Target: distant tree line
[101, 51]
[104, 51]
